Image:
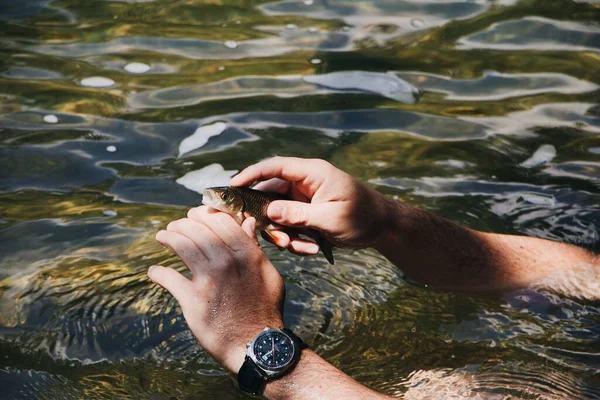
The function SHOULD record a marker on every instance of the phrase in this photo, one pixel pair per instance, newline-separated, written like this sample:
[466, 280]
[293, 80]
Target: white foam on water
[200, 137]
[544, 154]
[454, 163]
[51, 119]
[137, 68]
[209, 176]
[538, 200]
[111, 148]
[417, 23]
[97, 81]
[231, 44]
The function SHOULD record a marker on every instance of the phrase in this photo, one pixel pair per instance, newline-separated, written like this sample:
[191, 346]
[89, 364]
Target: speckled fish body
[241, 203]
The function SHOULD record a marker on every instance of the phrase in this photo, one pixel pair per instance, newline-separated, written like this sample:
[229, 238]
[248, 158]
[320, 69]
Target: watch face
[273, 350]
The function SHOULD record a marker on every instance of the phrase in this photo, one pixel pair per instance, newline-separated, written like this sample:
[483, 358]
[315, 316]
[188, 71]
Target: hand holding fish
[324, 198]
[430, 249]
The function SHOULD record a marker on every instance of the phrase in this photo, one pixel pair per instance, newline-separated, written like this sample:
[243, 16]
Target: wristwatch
[269, 355]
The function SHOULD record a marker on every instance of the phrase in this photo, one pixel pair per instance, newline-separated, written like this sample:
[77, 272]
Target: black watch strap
[299, 343]
[251, 378]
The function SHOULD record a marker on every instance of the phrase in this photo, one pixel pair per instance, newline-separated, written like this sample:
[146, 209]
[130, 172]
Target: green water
[89, 174]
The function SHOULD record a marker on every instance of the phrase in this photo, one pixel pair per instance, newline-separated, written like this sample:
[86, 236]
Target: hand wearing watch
[270, 355]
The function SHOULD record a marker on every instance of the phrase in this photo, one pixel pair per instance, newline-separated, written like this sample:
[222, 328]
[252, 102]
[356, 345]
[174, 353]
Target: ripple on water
[82, 302]
[576, 169]
[535, 33]
[31, 73]
[498, 86]
[542, 211]
[335, 123]
[497, 381]
[386, 85]
[286, 41]
[364, 15]
[545, 115]
[382, 84]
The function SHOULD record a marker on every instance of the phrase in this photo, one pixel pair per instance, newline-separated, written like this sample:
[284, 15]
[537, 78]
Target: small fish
[241, 203]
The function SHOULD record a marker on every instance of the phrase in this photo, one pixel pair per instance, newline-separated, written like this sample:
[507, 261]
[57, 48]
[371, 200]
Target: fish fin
[325, 246]
[276, 240]
[239, 218]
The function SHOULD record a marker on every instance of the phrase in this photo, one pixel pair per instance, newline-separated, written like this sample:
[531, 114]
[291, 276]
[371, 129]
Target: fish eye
[224, 196]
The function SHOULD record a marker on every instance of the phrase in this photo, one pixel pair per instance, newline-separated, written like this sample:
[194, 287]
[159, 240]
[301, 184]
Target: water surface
[114, 114]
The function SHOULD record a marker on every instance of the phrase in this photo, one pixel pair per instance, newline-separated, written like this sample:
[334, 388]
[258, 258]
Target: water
[113, 114]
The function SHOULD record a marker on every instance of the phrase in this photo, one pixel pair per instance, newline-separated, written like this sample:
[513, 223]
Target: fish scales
[256, 204]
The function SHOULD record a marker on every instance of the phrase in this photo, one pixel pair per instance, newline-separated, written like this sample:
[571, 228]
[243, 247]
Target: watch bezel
[272, 372]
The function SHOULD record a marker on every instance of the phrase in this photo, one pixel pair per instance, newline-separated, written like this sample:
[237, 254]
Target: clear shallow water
[97, 154]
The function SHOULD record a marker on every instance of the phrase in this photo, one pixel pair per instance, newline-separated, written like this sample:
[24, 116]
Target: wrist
[392, 212]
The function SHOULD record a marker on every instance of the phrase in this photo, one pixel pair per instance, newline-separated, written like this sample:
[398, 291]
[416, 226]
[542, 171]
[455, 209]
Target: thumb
[302, 215]
[178, 285]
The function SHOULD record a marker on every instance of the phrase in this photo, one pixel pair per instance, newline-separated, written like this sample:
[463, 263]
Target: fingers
[184, 247]
[288, 168]
[274, 185]
[221, 224]
[291, 242]
[178, 285]
[249, 226]
[209, 243]
[319, 216]
[303, 247]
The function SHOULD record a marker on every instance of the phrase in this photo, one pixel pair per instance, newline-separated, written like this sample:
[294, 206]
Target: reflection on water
[115, 114]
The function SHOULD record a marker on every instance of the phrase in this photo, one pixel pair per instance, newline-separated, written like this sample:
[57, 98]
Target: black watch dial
[273, 350]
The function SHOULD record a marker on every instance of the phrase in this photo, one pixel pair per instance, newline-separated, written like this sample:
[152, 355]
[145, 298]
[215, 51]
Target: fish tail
[326, 248]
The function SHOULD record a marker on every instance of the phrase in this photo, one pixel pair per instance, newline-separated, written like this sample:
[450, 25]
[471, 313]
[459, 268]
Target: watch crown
[248, 344]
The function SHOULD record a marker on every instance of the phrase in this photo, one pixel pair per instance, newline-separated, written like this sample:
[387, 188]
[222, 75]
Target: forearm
[437, 252]
[315, 378]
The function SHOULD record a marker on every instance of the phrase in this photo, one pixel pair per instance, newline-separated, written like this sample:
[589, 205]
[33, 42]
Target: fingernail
[275, 211]
[152, 268]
